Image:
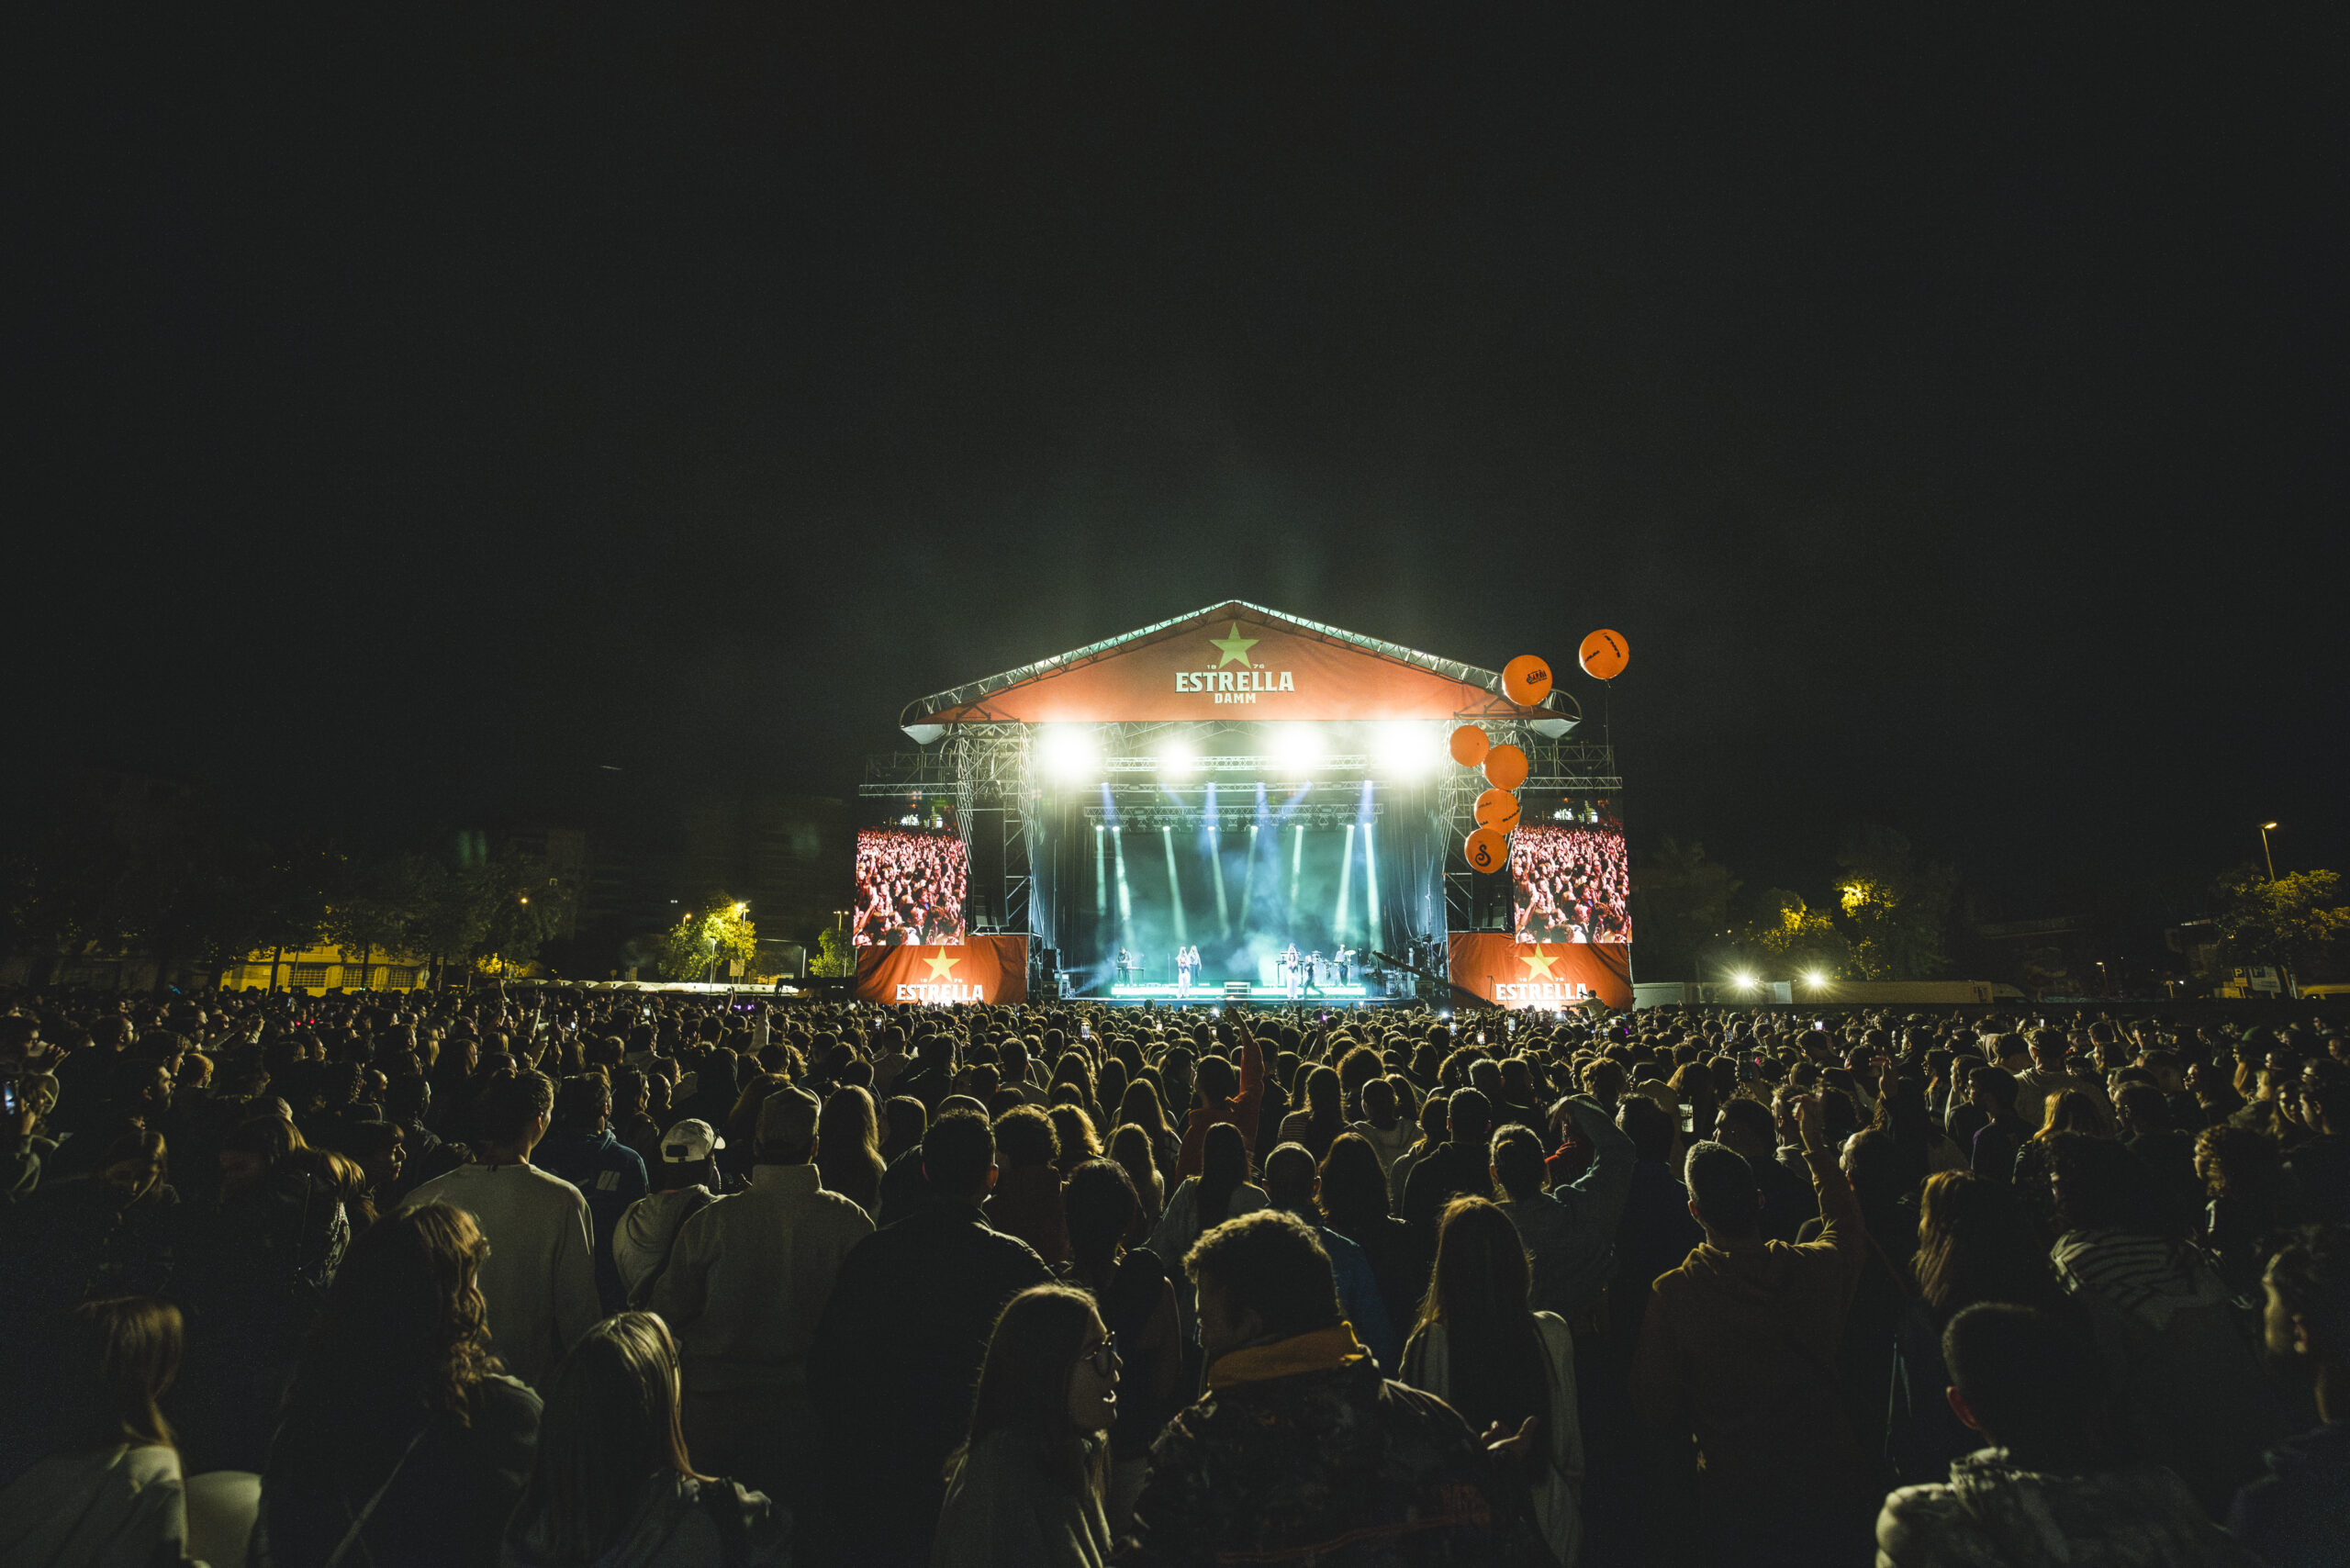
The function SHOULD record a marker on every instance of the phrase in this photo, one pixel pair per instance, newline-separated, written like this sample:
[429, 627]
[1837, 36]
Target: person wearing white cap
[746, 1284]
[687, 1182]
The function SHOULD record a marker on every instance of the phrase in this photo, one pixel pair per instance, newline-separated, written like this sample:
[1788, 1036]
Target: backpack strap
[359, 1520]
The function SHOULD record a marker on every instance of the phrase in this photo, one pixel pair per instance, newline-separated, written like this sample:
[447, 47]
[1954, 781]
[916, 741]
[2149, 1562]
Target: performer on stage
[1344, 963]
[1183, 971]
[1291, 975]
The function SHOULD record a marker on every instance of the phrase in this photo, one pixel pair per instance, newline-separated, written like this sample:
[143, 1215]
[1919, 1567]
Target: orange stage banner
[1235, 662]
[1509, 973]
[984, 969]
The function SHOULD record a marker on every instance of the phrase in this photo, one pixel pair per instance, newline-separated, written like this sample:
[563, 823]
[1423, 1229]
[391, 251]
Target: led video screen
[1573, 879]
[910, 889]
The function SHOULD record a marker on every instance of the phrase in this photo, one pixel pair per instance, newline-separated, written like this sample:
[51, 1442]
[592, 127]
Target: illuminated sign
[1227, 685]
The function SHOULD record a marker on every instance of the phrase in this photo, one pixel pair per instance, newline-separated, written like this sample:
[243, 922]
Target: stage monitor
[1572, 877]
[911, 887]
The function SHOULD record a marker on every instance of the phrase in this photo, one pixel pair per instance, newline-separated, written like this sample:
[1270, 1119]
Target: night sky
[418, 416]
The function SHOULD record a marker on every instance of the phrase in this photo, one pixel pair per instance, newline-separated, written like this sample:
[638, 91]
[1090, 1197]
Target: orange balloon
[1469, 745]
[1497, 809]
[1525, 680]
[1605, 654]
[1505, 768]
[1486, 850]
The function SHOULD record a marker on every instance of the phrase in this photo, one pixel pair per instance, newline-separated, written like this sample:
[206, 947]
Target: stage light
[1743, 981]
[1297, 748]
[1815, 979]
[1178, 759]
[1404, 750]
[1069, 753]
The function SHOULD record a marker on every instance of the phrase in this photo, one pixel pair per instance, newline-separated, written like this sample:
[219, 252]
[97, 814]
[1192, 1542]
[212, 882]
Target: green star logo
[1234, 648]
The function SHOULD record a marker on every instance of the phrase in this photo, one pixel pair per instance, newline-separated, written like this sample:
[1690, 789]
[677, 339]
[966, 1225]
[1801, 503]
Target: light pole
[2266, 852]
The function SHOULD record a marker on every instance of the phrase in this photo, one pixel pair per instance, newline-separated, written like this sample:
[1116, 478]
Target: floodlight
[1743, 981]
[1179, 757]
[1404, 750]
[1070, 752]
[1297, 748]
[1815, 978]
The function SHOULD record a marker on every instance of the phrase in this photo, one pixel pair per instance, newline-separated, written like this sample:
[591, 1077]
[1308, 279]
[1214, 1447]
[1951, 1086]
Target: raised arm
[1606, 1183]
[1843, 1227]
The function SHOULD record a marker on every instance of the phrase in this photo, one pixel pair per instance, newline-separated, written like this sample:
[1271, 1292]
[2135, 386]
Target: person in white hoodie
[111, 1490]
[684, 1182]
[539, 1280]
[744, 1291]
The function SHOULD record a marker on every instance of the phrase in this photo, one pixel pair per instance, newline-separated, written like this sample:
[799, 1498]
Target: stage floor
[1147, 990]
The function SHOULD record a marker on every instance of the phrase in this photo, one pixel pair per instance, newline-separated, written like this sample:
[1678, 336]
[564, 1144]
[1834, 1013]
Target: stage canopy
[1235, 661]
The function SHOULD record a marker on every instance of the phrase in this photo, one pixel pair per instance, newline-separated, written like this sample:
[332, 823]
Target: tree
[1680, 906]
[1898, 907]
[835, 958]
[1793, 936]
[379, 907]
[2293, 921]
[521, 905]
[693, 947]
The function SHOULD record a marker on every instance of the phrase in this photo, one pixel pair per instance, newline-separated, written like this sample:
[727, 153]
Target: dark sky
[416, 413]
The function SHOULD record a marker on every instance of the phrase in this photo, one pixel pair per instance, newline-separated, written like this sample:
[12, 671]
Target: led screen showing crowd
[1574, 879]
[910, 888]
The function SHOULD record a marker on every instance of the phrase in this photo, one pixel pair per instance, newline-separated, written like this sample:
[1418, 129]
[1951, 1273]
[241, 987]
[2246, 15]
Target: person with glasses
[1027, 1487]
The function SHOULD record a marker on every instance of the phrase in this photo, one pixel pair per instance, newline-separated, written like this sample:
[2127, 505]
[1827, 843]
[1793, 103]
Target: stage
[1253, 793]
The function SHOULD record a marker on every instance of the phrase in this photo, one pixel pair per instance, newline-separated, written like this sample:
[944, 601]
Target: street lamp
[2265, 850]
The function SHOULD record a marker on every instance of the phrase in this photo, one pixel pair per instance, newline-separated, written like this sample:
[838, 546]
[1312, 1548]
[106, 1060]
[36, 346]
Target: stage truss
[987, 772]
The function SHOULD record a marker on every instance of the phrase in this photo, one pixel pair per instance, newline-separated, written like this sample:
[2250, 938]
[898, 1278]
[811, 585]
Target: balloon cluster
[1525, 680]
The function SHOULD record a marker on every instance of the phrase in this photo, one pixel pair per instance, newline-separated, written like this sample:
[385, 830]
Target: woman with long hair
[849, 1148]
[110, 1489]
[1136, 1298]
[1130, 1147]
[1222, 1190]
[1109, 1090]
[1323, 1116]
[402, 1442]
[1072, 1072]
[1026, 1488]
[1354, 1202]
[1073, 1126]
[610, 1482]
[1977, 1241]
[2068, 1111]
[1902, 1116]
[1141, 1106]
[1480, 1347]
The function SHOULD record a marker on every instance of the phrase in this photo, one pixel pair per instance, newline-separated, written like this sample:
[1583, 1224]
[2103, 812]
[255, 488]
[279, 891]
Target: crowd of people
[601, 1278]
[1572, 884]
[910, 889]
